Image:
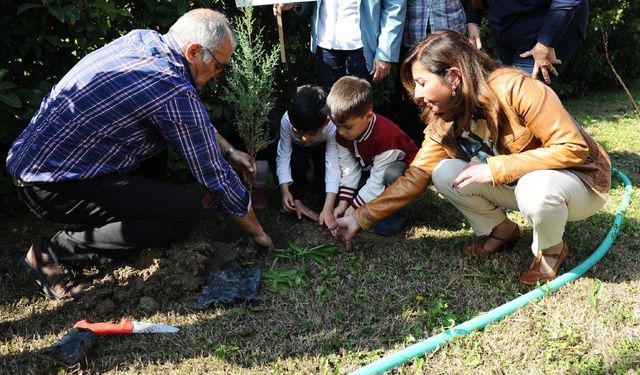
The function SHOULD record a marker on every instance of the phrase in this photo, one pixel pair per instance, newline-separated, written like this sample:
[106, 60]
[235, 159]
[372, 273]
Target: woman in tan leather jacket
[496, 139]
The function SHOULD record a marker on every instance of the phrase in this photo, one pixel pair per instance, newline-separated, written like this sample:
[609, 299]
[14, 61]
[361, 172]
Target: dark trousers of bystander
[114, 214]
[331, 65]
[564, 51]
[300, 168]
[403, 110]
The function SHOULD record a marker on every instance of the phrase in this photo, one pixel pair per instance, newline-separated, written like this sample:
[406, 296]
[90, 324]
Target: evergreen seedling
[250, 83]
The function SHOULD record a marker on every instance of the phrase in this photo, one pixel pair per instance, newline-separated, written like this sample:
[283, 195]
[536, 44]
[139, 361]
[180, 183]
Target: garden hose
[434, 342]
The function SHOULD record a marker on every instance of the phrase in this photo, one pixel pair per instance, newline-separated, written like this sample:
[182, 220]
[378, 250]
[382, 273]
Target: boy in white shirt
[306, 132]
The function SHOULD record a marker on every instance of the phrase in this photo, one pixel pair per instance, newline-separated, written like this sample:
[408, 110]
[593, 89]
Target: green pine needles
[250, 83]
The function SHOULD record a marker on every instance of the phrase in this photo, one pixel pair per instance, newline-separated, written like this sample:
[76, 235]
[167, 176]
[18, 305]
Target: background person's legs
[564, 51]
[403, 110]
[331, 65]
[357, 64]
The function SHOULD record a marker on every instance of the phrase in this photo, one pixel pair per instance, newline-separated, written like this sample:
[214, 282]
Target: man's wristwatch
[229, 151]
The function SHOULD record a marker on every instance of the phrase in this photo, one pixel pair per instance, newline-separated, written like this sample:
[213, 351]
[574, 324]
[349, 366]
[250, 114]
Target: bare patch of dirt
[156, 278]
[159, 279]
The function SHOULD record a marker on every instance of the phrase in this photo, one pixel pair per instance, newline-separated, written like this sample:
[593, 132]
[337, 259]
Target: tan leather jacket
[540, 134]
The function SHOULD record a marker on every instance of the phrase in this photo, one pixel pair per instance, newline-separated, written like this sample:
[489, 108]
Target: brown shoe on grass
[536, 274]
[55, 280]
[501, 243]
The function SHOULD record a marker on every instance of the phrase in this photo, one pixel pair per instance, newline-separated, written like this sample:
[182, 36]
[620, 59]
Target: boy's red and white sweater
[380, 145]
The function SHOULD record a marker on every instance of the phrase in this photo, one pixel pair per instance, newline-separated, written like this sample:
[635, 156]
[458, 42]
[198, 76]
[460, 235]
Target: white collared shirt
[283, 159]
[339, 25]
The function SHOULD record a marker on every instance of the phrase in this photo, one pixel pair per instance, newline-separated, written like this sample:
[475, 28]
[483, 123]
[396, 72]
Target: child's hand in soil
[349, 211]
[302, 210]
[340, 209]
[287, 202]
[327, 219]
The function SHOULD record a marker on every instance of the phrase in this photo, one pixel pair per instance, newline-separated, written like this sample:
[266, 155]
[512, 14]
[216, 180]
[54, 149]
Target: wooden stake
[283, 57]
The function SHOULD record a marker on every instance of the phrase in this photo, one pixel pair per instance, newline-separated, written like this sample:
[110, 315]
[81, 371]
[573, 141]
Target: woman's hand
[347, 227]
[473, 173]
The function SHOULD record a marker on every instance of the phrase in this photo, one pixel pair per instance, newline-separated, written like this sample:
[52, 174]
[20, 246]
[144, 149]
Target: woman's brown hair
[445, 49]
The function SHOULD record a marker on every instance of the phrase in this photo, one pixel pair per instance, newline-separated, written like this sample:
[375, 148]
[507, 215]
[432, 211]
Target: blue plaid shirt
[119, 106]
[436, 14]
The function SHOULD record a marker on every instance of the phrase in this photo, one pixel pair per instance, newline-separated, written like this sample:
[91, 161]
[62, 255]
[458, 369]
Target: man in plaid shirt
[94, 151]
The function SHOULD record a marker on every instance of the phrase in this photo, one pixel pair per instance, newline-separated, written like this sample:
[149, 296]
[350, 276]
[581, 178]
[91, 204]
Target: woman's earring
[453, 90]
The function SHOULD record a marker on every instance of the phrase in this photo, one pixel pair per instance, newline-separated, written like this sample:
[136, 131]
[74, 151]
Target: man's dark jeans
[568, 44]
[332, 65]
[114, 214]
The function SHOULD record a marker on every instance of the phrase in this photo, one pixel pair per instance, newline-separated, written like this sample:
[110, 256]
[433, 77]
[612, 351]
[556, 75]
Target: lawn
[336, 313]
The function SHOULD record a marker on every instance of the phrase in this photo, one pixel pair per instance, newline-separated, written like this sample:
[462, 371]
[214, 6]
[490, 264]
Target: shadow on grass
[628, 163]
[387, 293]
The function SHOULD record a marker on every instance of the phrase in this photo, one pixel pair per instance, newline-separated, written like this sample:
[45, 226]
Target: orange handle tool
[125, 327]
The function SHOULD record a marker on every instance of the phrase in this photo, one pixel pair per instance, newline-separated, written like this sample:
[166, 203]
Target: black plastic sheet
[230, 283]
[74, 347]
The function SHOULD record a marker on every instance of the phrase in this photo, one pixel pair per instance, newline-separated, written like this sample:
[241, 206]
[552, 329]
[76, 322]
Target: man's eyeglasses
[219, 65]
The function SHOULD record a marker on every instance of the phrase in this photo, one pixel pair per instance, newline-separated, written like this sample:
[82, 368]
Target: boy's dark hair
[308, 109]
[350, 97]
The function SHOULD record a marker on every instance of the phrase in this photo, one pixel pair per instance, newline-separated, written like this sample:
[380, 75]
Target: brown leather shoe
[477, 248]
[534, 276]
[56, 281]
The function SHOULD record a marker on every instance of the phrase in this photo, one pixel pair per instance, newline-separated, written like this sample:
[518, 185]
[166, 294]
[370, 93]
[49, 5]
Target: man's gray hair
[206, 27]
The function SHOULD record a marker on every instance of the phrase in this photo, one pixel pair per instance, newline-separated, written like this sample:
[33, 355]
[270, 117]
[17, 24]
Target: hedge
[41, 40]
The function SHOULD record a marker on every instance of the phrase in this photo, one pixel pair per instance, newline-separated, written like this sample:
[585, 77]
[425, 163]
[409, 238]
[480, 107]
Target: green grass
[342, 311]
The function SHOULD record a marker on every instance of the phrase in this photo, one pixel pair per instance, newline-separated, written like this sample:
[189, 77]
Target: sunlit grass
[353, 308]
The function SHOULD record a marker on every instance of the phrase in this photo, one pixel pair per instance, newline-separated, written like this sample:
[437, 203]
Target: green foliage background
[41, 40]
[588, 69]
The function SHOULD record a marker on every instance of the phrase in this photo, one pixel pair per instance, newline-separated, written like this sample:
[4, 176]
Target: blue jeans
[334, 64]
[564, 51]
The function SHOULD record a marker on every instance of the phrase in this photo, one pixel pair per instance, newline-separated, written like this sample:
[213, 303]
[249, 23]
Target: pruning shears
[125, 327]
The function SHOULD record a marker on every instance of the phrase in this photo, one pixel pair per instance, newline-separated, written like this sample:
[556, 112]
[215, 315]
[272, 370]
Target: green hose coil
[434, 342]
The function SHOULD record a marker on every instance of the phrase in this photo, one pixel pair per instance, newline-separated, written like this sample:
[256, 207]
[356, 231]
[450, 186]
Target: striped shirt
[434, 14]
[381, 144]
[118, 107]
